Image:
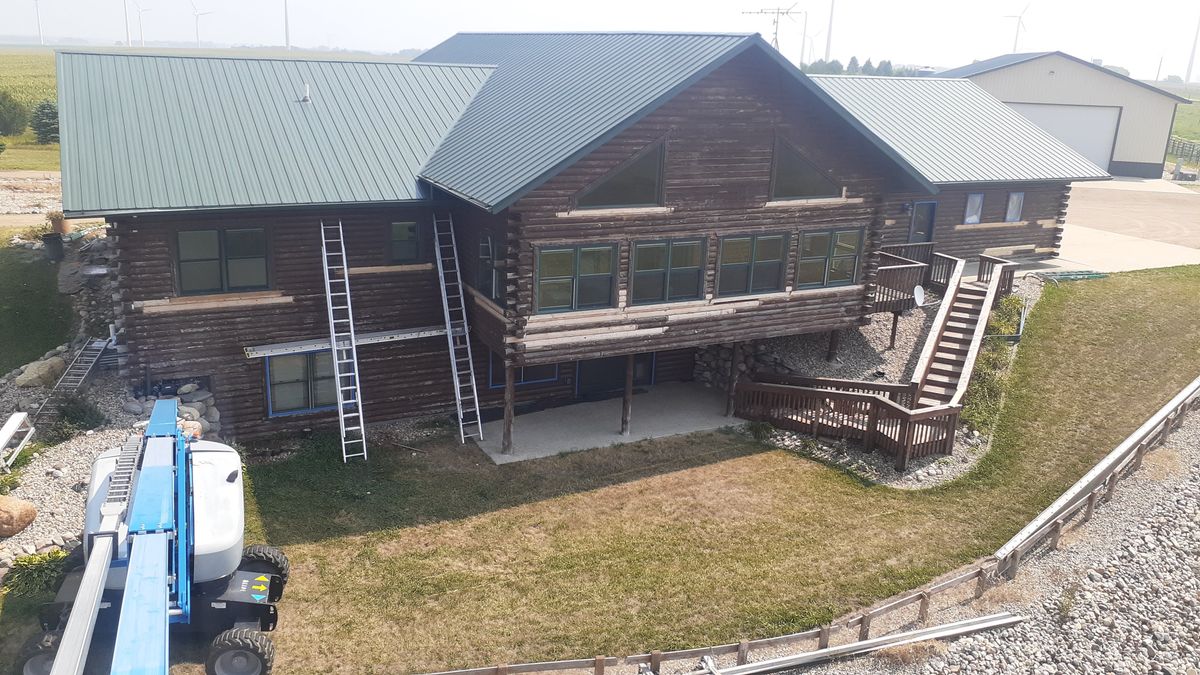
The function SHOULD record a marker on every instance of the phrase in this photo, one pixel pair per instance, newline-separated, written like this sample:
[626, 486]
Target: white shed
[1119, 123]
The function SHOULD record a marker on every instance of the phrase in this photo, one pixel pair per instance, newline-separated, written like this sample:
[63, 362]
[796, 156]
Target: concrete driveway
[1121, 225]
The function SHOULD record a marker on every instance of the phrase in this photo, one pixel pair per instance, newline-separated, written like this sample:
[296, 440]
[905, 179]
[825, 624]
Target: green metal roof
[557, 96]
[160, 133]
[952, 131]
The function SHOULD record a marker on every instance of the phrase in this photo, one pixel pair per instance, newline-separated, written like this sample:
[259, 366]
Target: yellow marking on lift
[259, 587]
[261, 578]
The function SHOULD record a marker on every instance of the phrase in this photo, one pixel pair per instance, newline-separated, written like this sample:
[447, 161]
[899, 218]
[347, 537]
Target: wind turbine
[287, 28]
[1020, 25]
[37, 10]
[196, 14]
[141, 11]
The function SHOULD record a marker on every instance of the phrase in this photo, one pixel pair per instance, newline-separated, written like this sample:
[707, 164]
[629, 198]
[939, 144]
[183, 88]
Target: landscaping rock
[15, 515]
[196, 395]
[189, 413]
[42, 373]
[212, 414]
[187, 388]
[132, 407]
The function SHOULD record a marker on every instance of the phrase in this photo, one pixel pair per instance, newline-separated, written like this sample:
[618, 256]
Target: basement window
[1016, 204]
[974, 208]
[524, 374]
[636, 183]
[221, 261]
[828, 258]
[404, 245]
[576, 277]
[751, 264]
[667, 271]
[793, 176]
[301, 383]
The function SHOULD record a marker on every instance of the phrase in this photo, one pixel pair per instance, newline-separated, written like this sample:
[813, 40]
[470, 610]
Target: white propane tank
[217, 510]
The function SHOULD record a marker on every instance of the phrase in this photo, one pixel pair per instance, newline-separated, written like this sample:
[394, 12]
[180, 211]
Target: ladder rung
[353, 429]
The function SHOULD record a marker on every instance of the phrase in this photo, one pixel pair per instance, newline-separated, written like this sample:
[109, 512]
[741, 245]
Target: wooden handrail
[939, 322]
[919, 251]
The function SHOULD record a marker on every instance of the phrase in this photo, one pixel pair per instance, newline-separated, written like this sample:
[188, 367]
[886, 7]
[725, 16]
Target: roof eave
[213, 209]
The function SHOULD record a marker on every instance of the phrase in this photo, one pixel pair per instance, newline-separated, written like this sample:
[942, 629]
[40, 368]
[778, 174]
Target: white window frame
[1019, 199]
[973, 216]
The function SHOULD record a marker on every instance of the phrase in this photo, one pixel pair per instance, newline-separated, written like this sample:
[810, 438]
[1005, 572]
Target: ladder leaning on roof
[342, 342]
[458, 334]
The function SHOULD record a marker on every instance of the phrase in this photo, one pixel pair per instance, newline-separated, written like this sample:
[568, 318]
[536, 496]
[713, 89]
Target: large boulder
[15, 515]
[189, 413]
[42, 373]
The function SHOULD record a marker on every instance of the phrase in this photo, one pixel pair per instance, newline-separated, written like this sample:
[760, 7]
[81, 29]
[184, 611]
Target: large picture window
[298, 383]
[638, 182]
[577, 277]
[828, 258]
[222, 261]
[665, 271]
[794, 177]
[524, 374]
[751, 264]
[404, 244]
[974, 213]
[1016, 204]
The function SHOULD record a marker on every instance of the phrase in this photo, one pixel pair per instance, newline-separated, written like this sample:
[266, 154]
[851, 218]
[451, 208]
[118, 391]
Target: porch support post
[510, 395]
[627, 401]
[895, 325]
[835, 337]
[735, 357]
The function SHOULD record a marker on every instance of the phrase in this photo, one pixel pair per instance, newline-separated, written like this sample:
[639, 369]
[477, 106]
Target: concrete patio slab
[661, 410]
[1131, 184]
[1104, 251]
[1173, 217]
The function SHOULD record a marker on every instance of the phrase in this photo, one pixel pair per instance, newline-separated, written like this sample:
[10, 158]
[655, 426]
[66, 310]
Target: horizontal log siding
[1038, 235]
[720, 135]
[399, 379]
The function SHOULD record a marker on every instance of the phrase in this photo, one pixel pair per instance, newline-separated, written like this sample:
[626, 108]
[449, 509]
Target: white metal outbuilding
[1119, 123]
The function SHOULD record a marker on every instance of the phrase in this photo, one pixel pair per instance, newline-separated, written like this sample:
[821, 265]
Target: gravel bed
[30, 194]
[55, 481]
[863, 352]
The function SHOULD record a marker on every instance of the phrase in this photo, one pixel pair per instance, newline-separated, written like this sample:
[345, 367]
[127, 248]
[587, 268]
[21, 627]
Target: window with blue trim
[523, 374]
[298, 383]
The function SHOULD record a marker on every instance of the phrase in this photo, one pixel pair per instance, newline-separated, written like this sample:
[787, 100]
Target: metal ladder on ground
[342, 342]
[458, 334]
[72, 378]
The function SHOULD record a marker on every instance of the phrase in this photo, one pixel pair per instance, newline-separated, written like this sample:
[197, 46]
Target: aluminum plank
[143, 642]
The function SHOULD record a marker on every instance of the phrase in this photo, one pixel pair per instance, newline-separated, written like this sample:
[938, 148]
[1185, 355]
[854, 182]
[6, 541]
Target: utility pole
[1192, 56]
[829, 33]
[1158, 73]
[37, 10]
[287, 29]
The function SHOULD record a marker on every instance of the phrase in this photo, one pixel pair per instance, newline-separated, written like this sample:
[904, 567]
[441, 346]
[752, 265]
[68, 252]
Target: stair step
[940, 379]
[937, 391]
[961, 325]
[957, 336]
[956, 315]
[924, 402]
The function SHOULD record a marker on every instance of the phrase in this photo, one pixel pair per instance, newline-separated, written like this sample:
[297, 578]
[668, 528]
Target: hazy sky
[926, 32]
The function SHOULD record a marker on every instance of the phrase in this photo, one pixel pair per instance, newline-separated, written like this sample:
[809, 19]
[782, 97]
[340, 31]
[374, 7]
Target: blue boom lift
[163, 546]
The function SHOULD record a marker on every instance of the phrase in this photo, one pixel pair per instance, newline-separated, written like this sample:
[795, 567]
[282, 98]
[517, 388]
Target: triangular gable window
[794, 177]
[638, 182]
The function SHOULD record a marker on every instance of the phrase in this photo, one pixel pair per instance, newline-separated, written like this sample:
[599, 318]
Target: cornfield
[28, 74]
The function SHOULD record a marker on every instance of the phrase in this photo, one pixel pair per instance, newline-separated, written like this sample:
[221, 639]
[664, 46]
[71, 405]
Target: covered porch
[653, 412]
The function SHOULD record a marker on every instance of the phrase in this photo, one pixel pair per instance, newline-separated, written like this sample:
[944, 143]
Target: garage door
[1090, 130]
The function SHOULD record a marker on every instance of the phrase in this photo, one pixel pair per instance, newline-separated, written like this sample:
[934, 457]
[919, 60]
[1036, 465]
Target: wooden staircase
[954, 346]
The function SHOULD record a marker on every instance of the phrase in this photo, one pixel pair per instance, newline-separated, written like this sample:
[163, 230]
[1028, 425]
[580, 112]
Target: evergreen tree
[853, 68]
[868, 68]
[885, 68]
[835, 67]
[13, 115]
[817, 67]
[45, 122]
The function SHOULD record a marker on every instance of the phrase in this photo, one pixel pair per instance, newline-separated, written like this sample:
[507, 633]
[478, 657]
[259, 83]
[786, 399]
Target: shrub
[60, 431]
[34, 574]
[760, 431]
[13, 116]
[981, 403]
[81, 413]
[45, 122]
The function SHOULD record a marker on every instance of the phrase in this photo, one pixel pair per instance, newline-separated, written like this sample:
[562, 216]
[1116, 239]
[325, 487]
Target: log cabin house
[518, 220]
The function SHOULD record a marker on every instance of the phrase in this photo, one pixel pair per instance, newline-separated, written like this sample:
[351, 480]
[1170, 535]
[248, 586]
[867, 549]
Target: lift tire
[240, 651]
[38, 655]
[260, 558]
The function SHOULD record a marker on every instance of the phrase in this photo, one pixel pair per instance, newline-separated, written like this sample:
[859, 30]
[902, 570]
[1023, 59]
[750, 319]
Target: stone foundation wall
[713, 362]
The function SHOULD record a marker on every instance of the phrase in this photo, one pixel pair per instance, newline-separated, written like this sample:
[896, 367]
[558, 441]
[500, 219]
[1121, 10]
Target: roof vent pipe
[306, 98]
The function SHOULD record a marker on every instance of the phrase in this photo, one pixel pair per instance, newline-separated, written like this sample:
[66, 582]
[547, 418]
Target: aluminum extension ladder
[458, 334]
[72, 378]
[342, 342]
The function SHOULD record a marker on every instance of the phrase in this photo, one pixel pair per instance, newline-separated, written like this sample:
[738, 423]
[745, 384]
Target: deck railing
[870, 418]
[895, 280]
[941, 269]
[990, 266]
[921, 252]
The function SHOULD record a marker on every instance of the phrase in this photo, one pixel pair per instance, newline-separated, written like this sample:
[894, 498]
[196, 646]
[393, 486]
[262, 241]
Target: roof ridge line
[283, 59]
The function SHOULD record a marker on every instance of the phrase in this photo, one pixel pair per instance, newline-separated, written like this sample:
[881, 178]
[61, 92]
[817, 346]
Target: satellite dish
[919, 295]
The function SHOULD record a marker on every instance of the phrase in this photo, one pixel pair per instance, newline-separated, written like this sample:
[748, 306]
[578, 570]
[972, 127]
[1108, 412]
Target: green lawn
[34, 318]
[439, 559]
[24, 153]
[1187, 121]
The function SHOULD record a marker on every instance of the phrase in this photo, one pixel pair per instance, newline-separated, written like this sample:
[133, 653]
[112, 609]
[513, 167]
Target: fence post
[599, 667]
[1139, 455]
[1055, 534]
[923, 610]
[1111, 484]
[982, 584]
[1091, 506]
[502, 669]
[743, 653]
[1014, 561]
[655, 661]
[864, 626]
[823, 637]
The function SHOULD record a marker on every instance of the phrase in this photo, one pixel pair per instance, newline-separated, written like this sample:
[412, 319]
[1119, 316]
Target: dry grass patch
[1165, 462]
[909, 654]
[1007, 594]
